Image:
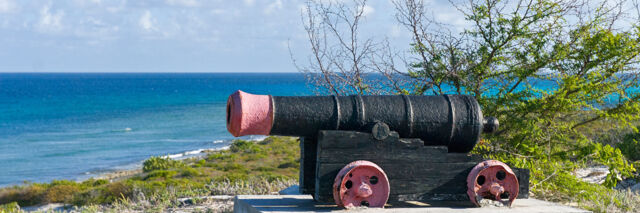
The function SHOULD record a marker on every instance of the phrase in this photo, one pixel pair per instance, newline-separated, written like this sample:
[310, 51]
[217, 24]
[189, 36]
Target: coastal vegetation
[247, 167]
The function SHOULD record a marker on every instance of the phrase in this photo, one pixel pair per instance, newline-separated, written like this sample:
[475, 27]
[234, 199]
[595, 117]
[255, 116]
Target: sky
[167, 35]
[176, 35]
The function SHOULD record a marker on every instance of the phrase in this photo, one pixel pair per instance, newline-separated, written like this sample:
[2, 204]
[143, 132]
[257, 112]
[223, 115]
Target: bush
[93, 182]
[117, 190]
[189, 172]
[221, 156]
[200, 163]
[235, 167]
[61, 193]
[630, 146]
[160, 163]
[166, 174]
[289, 164]
[92, 196]
[23, 195]
[233, 177]
[245, 147]
[256, 157]
[10, 207]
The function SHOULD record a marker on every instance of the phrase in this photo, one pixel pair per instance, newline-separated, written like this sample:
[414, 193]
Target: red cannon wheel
[492, 179]
[361, 183]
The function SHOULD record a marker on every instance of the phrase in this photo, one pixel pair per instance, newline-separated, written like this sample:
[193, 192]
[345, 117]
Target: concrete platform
[305, 203]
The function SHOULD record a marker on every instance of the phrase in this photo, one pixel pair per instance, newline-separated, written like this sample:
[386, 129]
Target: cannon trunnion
[367, 150]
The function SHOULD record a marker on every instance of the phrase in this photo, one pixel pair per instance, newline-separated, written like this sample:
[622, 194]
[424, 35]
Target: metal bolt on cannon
[370, 150]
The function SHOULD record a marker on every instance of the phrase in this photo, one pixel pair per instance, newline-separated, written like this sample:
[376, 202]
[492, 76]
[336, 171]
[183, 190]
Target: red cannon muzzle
[249, 114]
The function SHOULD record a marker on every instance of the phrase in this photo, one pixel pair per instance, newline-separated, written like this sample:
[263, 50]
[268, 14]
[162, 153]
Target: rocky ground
[598, 174]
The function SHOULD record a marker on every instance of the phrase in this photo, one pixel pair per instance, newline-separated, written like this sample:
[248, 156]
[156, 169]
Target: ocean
[80, 125]
[76, 126]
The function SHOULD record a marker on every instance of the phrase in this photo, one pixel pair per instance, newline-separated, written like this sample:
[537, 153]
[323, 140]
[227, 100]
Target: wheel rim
[492, 179]
[361, 183]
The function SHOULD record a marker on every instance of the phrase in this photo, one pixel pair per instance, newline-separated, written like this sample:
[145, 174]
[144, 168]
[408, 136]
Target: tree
[546, 68]
[342, 61]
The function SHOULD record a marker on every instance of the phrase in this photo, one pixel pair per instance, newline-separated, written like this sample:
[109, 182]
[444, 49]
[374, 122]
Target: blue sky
[174, 35]
[164, 35]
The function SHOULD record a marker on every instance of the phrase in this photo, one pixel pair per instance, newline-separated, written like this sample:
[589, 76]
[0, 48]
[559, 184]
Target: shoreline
[120, 174]
[130, 169]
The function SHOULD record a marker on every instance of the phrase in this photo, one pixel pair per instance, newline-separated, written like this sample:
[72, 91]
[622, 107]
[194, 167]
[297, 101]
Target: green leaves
[613, 158]
[550, 80]
[630, 146]
[160, 163]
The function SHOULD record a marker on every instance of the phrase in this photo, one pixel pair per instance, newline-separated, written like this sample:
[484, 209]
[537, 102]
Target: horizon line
[1, 72]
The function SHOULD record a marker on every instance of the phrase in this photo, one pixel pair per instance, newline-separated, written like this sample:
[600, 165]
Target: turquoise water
[73, 126]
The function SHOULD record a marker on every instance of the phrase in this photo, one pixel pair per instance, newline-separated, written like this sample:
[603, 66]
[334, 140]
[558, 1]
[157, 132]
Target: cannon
[370, 150]
[454, 121]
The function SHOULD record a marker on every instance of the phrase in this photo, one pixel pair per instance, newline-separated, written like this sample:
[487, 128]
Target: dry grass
[625, 197]
[257, 187]
[168, 202]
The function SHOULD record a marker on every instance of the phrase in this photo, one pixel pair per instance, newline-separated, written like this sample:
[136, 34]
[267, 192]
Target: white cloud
[276, 5]
[335, 1]
[218, 11]
[453, 18]
[96, 30]
[87, 2]
[185, 3]
[249, 2]
[7, 6]
[396, 31]
[147, 21]
[367, 10]
[50, 22]
[284, 44]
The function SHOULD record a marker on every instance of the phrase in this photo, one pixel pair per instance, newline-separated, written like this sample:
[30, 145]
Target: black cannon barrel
[455, 121]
